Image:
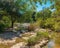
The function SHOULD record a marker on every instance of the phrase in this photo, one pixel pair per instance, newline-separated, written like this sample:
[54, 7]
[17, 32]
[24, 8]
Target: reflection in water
[51, 44]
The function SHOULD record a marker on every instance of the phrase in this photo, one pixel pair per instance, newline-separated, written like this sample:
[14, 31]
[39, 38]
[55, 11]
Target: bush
[2, 27]
[6, 20]
[32, 41]
[4, 23]
[57, 26]
[40, 22]
[49, 23]
[43, 34]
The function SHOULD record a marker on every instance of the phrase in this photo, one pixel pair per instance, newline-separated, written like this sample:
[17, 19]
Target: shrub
[2, 27]
[49, 23]
[43, 34]
[40, 22]
[4, 23]
[58, 19]
[57, 26]
[6, 20]
[32, 41]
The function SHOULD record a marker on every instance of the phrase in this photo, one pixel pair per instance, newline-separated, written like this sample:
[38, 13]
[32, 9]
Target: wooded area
[22, 16]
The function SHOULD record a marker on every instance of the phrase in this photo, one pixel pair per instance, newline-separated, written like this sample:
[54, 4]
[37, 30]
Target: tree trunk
[12, 22]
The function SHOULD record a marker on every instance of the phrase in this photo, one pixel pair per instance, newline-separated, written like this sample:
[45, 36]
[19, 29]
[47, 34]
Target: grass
[26, 35]
[6, 46]
[20, 40]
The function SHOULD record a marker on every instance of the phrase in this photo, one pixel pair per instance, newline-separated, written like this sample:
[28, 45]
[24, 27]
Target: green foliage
[16, 8]
[26, 17]
[49, 23]
[53, 23]
[6, 20]
[2, 26]
[40, 23]
[32, 41]
[44, 14]
[43, 34]
[57, 26]
[4, 23]
[37, 38]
